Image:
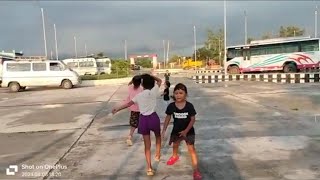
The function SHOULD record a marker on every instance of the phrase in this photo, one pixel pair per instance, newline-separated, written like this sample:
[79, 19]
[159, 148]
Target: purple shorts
[149, 123]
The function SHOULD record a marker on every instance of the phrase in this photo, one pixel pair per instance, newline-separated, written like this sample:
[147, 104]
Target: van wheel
[14, 87]
[66, 84]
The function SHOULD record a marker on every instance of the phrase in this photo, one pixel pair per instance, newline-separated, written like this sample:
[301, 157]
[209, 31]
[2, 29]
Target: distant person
[149, 119]
[183, 114]
[166, 94]
[167, 76]
[134, 88]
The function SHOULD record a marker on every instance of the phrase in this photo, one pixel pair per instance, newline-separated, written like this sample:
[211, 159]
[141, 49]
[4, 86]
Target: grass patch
[103, 76]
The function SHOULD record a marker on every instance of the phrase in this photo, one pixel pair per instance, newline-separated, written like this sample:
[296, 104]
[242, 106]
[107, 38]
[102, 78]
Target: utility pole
[164, 53]
[85, 48]
[245, 28]
[55, 39]
[316, 21]
[75, 46]
[125, 50]
[167, 62]
[225, 38]
[220, 63]
[195, 46]
[44, 34]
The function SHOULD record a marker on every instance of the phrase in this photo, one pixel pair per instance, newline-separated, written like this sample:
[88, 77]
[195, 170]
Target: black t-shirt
[182, 117]
[166, 94]
[166, 76]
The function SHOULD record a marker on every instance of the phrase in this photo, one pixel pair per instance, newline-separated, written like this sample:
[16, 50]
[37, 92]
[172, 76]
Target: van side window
[72, 64]
[18, 67]
[55, 67]
[39, 66]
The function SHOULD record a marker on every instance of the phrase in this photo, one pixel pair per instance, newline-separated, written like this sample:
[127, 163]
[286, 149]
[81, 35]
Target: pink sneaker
[197, 175]
[172, 160]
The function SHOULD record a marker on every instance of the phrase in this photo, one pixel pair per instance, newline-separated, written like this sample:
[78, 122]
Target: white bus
[17, 75]
[83, 66]
[104, 65]
[288, 55]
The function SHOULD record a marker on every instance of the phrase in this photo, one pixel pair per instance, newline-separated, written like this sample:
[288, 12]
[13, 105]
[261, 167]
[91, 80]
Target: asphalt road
[245, 130]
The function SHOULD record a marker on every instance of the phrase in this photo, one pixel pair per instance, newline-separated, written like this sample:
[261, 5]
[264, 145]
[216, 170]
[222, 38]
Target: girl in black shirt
[183, 114]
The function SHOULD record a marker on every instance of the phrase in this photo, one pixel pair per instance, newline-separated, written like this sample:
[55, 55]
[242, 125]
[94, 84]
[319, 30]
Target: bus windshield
[233, 52]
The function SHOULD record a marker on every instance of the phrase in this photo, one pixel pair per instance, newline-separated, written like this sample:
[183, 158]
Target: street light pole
[85, 48]
[167, 61]
[225, 37]
[125, 50]
[316, 21]
[75, 46]
[44, 34]
[195, 46]
[55, 39]
[164, 54]
[245, 28]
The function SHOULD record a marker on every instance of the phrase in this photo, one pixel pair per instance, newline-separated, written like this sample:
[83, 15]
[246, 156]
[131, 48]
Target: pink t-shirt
[132, 93]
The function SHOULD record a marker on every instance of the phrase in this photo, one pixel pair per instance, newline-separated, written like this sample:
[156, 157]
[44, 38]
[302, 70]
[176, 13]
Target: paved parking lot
[245, 130]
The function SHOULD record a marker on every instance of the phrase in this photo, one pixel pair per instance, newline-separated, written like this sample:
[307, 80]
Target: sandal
[172, 160]
[150, 172]
[197, 175]
[129, 141]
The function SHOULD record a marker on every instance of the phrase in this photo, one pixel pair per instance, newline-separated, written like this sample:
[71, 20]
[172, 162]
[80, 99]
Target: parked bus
[288, 55]
[83, 66]
[104, 66]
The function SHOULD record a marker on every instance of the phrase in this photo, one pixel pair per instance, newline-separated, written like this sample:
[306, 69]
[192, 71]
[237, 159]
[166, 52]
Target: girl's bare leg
[158, 147]
[147, 150]
[175, 148]
[194, 158]
[132, 129]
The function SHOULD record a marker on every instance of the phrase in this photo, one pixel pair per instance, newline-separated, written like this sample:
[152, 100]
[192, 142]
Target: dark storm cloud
[104, 25]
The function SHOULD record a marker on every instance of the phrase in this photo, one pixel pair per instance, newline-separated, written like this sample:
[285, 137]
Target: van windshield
[57, 66]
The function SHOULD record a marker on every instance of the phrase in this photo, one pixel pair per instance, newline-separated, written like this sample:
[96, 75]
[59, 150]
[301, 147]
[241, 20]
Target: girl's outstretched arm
[126, 105]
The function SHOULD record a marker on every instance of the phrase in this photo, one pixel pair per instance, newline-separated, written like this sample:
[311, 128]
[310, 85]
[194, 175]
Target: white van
[104, 65]
[83, 66]
[17, 75]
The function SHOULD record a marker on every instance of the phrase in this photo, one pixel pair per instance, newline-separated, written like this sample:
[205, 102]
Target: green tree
[174, 59]
[119, 66]
[291, 31]
[214, 46]
[144, 62]
[204, 54]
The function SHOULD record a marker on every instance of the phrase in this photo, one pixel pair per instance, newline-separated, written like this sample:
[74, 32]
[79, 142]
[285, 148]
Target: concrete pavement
[245, 130]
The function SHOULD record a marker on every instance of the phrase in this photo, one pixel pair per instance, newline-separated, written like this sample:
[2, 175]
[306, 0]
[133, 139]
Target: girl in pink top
[134, 88]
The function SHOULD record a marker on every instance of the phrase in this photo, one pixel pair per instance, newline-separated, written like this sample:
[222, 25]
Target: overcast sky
[104, 25]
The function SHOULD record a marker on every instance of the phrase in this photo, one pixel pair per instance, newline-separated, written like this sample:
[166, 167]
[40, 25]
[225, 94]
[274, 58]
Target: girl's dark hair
[147, 81]
[136, 81]
[182, 87]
